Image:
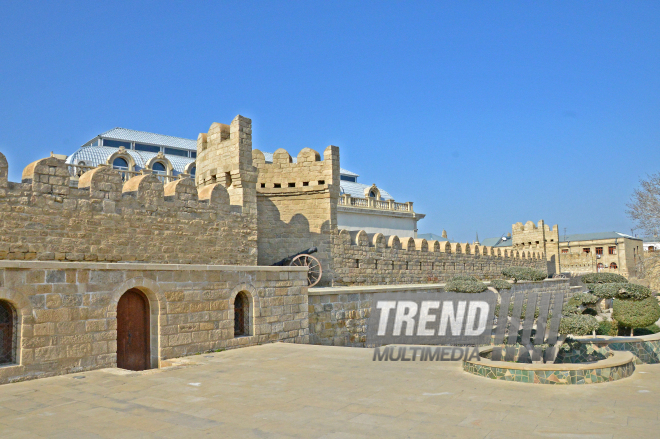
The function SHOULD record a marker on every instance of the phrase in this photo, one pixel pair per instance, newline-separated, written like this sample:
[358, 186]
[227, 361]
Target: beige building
[605, 252]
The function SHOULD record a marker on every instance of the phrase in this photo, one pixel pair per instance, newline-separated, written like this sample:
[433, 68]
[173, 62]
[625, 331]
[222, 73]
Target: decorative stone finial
[444, 233]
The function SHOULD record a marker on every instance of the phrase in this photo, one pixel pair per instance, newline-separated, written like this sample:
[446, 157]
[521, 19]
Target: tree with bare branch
[644, 210]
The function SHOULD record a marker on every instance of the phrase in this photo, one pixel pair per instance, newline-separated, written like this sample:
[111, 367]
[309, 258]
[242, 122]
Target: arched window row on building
[159, 167]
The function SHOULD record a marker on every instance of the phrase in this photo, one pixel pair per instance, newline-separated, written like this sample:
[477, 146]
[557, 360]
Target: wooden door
[133, 351]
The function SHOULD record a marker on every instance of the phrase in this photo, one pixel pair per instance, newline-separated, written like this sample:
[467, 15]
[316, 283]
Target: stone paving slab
[304, 391]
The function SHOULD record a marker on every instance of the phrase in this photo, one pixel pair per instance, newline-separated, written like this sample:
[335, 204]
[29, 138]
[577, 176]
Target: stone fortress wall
[339, 316]
[69, 251]
[66, 312]
[105, 219]
[374, 259]
[538, 238]
[297, 205]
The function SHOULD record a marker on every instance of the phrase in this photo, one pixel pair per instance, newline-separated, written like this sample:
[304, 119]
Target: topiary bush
[523, 273]
[603, 278]
[606, 290]
[500, 284]
[583, 298]
[636, 313]
[578, 324]
[610, 328]
[651, 329]
[634, 292]
[571, 308]
[465, 286]
[523, 311]
[465, 278]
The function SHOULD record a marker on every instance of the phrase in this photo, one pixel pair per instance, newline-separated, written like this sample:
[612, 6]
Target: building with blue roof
[361, 206]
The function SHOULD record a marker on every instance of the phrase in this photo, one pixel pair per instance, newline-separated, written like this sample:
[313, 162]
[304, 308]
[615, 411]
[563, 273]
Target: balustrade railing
[372, 203]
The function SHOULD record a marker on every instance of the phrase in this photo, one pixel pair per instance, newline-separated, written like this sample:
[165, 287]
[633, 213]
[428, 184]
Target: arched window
[193, 170]
[159, 168]
[120, 163]
[613, 266]
[372, 194]
[7, 321]
[241, 315]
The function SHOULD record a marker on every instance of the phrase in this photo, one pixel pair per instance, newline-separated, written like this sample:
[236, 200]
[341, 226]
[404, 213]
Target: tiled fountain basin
[645, 348]
[620, 364]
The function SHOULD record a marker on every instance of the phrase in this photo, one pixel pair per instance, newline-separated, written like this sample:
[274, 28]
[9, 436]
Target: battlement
[308, 172]
[380, 241]
[540, 238]
[360, 258]
[530, 226]
[104, 218]
[224, 156]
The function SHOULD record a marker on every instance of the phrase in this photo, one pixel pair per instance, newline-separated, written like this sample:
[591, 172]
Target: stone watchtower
[224, 155]
[538, 238]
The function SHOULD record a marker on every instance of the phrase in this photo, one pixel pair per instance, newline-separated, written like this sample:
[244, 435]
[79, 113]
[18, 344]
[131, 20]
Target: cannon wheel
[315, 270]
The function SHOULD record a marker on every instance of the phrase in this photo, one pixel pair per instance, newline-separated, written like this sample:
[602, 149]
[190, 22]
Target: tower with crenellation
[224, 155]
[539, 237]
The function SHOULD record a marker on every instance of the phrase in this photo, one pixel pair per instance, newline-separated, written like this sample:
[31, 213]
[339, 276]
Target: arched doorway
[133, 350]
[7, 320]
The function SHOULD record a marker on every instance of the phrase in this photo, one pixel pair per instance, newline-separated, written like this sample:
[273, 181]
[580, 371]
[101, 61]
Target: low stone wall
[616, 366]
[65, 313]
[338, 316]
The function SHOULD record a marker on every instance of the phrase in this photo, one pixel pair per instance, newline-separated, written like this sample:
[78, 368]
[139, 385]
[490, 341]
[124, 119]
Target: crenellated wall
[105, 219]
[297, 205]
[224, 156]
[363, 259]
[543, 238]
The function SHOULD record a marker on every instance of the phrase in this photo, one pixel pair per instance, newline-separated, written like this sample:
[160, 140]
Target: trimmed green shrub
[603, 278]
[578, 324]
[523, 311]
[583, 299]
[608, 328]
[606, 291]
[464, 286]
[523, 273]
[465, 278]
[570, 309]
[634, 292]
[500, 284]
[652, 329]
[636, 313]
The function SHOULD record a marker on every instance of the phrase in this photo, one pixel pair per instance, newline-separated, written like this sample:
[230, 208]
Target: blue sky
[481, 113]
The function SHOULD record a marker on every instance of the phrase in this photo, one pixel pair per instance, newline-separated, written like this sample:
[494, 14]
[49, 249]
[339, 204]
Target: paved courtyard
[285, 390]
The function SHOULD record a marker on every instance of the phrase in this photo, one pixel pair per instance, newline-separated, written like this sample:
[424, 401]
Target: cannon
[304, 259]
